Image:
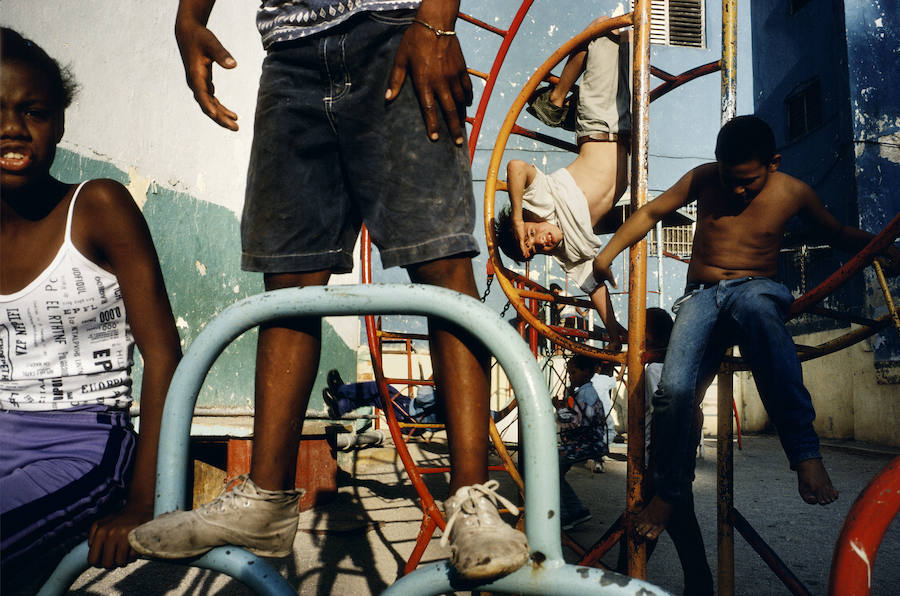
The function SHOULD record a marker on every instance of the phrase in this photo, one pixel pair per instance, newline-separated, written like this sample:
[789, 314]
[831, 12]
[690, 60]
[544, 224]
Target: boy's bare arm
[519, 175]
[847, 238]
[199, 48]
[641, 222]
[435, 62]
[121, 241]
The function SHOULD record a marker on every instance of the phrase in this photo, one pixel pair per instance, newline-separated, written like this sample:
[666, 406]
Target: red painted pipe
[869, 518]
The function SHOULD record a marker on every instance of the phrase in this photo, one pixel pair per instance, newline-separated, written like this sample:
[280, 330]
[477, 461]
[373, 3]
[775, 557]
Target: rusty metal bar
[879, 273]
[725, 482]
[491, 79]
[880, 242]
[765, 552]
[637, 288]
[729, 59]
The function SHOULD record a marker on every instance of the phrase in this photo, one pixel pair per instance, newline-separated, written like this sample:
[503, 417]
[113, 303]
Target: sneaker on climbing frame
[482, 546]
[545, 110]
[262, 521]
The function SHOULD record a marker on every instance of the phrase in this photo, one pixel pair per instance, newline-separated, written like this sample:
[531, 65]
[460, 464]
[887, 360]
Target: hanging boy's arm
[199, 48]
[642, 221]
[603, 304]
[123, 245]
[519, 175]
[431, 54]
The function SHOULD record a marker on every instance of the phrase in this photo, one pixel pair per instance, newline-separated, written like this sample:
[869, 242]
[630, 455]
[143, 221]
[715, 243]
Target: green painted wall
[199, 249]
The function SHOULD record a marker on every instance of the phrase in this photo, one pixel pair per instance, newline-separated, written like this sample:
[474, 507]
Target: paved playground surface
[358, 543]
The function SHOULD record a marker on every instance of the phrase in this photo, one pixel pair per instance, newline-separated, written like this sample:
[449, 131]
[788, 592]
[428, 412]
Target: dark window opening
[804, 109]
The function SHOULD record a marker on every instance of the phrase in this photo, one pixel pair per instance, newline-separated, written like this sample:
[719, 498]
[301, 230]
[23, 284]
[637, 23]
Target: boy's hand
[526, 241]
[438, 71]
[108, 539]
[603, 272]
[199, 48]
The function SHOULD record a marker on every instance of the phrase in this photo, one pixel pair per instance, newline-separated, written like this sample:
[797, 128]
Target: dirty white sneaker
[262, 521]
[482, 546]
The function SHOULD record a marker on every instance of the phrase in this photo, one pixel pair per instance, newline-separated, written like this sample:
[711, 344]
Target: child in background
[80, 285]
[583, 435]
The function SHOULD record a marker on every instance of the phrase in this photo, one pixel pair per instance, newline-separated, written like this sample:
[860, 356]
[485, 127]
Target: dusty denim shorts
[330, 154]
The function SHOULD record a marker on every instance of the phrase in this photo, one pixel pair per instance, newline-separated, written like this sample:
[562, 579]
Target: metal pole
[637, 287]
[725, 481]
[725, 449]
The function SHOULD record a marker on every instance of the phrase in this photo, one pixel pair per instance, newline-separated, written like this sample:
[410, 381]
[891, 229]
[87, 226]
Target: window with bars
[676, 240]
[677, 22]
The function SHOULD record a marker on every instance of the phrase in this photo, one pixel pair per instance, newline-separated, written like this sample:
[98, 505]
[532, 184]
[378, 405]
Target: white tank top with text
[64, 338]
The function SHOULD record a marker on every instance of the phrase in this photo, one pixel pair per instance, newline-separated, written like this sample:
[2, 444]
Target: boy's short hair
[659, 328]
[506, 238]
[584, 362]
[14, 47]
[744, 139]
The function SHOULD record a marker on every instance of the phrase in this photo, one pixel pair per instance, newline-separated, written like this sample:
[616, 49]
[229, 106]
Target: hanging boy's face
[31, 125]
[746, 180]
[540, 238]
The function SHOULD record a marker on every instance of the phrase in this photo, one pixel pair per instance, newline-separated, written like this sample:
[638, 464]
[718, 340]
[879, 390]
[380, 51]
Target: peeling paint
[182, 324]
[201, 268]
[137, 186]
[552, 30]
[861, 553]
[889, 147]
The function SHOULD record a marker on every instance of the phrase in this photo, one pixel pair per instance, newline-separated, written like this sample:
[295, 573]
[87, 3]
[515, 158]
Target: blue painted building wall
[851, 159]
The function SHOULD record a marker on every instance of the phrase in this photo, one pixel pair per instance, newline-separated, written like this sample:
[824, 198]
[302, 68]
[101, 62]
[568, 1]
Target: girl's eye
[38, 114]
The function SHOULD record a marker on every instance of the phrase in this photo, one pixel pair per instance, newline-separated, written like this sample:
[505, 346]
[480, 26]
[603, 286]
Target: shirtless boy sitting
[743, 205]
[560, 213]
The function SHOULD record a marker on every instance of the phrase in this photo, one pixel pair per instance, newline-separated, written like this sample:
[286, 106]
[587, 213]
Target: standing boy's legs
[461, 368]
[287, 361]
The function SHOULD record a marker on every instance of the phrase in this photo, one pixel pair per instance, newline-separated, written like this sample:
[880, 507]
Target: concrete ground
[358, 543]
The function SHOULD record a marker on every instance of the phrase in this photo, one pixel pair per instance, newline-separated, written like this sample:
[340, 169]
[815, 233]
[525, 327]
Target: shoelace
[469, 506]
[227, 494]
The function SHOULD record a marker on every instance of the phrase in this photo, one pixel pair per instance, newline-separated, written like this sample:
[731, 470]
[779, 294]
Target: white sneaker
[482, 546]
[262, 521]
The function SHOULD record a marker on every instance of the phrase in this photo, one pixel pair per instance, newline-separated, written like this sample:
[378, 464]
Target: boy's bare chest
[757, 224]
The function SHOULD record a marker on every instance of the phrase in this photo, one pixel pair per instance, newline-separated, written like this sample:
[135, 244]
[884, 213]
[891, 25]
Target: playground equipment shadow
[358, 542]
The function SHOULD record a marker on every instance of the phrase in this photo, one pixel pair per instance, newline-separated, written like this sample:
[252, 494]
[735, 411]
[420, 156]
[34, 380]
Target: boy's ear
[774, 162]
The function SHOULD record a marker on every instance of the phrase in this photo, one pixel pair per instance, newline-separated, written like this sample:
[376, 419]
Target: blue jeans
[749, 312]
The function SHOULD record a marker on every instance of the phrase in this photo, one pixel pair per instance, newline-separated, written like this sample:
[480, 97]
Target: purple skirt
[59, 472]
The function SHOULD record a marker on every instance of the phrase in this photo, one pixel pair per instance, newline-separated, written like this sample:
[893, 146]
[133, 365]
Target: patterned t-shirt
[64, 338]
[286, 20]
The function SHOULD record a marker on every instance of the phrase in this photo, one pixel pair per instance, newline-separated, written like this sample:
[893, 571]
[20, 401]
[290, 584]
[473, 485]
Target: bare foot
[650, 522]
[814, 484]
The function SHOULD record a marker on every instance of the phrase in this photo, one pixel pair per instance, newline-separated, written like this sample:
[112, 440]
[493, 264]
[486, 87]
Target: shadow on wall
[199, 249]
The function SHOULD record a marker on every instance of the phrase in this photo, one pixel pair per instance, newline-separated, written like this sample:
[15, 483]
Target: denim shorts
[329, 153]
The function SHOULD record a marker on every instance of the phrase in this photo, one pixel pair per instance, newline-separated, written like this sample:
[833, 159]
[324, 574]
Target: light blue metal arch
[546, 573]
